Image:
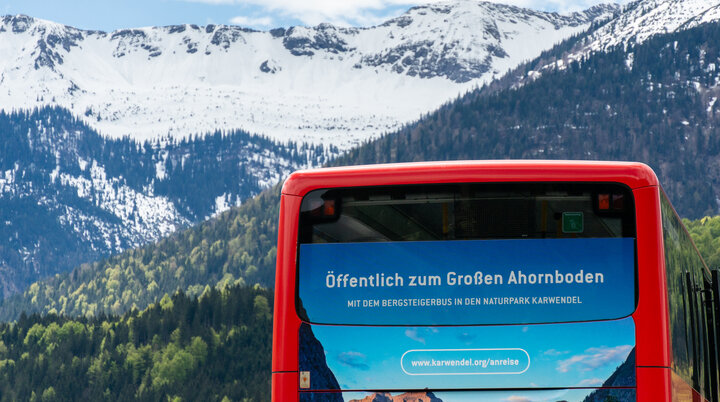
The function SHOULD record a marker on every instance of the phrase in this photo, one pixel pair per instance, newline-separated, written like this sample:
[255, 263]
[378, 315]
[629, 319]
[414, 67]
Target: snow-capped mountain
[320, 84]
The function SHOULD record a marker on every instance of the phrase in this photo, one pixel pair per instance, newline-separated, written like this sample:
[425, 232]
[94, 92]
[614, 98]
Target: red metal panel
[653, 384]
[285, 387]
[286, 322]
[651, 316]
[633, 174]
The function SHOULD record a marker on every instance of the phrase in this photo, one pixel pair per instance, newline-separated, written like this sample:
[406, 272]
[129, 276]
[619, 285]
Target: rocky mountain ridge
[322, 84]
[634, 24]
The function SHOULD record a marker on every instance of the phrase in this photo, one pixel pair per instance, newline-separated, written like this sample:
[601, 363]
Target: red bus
[492, 281]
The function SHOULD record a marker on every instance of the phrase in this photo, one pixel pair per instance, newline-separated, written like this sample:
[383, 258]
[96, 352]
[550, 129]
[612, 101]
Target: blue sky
[108, 15]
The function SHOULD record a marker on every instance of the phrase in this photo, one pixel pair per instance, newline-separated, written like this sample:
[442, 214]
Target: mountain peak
[19, 23]
[42, 39]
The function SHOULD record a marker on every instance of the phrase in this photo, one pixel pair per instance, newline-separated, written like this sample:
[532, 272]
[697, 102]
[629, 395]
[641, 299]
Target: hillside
[236, 247]
[654, 102]
[212, 348]
[70, 196]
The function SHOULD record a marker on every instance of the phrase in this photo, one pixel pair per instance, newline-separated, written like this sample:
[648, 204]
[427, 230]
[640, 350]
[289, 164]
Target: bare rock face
[406, 397]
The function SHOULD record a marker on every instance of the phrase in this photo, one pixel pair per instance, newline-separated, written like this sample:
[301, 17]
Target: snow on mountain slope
[709, 15]
[139, 216]
[69, 195]
[322, 84]
[645, 18]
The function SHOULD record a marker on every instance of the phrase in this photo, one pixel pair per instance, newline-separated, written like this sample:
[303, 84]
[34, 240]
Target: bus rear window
[467, 211]
[467, 254]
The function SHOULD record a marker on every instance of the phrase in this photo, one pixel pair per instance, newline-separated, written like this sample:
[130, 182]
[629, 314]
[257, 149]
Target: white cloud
[313, 12]
[252, 22]
[554, 352]
[372, 12]
[594, 358]
[413, 334]
[353, 359]
[590, 382]
[561, 6]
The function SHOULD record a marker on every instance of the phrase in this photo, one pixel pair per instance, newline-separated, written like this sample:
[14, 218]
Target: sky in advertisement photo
[533, 356]
[109, 15]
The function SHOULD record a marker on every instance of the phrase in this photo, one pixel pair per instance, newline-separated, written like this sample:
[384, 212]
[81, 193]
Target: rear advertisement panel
[547, 317]
[467, 282]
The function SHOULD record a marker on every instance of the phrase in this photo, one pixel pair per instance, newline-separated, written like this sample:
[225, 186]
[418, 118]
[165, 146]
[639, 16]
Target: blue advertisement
[584, 361]
[467, 282]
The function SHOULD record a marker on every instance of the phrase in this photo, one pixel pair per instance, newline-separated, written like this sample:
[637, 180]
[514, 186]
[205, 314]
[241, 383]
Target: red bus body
[654, 377]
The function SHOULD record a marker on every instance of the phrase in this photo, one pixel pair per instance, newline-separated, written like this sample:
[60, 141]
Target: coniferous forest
[215, 347]
[237, 247]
